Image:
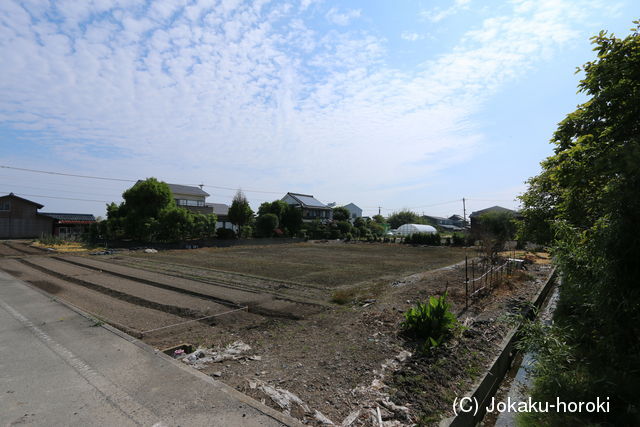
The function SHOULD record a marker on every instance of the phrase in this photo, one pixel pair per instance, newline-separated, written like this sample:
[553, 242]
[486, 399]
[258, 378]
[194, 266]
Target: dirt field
[327, 265]
[340, 361]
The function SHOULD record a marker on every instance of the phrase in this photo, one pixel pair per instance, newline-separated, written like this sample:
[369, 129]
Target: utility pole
[379, 210]
[464, 212]
[466, 262]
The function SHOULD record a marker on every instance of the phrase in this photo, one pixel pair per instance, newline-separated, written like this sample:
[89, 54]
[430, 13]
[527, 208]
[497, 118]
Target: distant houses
[453, 223]
[312, 208]
[191, 198]
[20, 219]
[354, 211]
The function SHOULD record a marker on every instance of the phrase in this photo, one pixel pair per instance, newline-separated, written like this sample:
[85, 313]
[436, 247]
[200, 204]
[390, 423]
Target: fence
[490, 275]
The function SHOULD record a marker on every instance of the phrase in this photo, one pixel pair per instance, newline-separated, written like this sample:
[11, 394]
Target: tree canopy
[402, 217]
[586, 201]
[149, 213]
[340, 213]
[240, 213]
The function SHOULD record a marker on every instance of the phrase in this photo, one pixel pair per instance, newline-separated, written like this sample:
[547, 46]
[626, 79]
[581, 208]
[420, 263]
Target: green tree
[277, 207]
[340, 213]
[265, 224]
[142, 206]
[379, 219]
[494, 229]
[404, 216]
[174, 224]
[240, 213]
[588, 196]
[292, 220]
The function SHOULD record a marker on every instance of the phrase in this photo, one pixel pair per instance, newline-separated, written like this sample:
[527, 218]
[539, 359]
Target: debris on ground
[202, 356]
[150, 251]
[288, 402]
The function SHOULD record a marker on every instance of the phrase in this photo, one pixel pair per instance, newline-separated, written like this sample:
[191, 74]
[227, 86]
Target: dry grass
[328, 265]
[64, 247]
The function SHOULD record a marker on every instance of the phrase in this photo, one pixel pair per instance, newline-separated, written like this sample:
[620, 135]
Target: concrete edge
[487, 386]
[243, 398]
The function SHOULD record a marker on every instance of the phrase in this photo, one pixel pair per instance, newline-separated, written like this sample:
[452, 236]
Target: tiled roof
[187, 189]
[307, 200]
[69, 216]
[492, 209]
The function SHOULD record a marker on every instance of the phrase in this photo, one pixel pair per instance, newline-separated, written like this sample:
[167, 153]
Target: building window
[5, 205]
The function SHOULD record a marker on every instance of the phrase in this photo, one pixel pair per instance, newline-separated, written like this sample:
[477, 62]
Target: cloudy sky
[412, 104]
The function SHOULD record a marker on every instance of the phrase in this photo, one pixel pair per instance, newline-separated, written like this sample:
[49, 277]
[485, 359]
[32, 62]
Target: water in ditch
[515, 385]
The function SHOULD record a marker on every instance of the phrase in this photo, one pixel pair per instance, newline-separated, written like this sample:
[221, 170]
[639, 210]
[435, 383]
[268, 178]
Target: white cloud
[437, 14]
[256, 97]
[344, 18]
[411, 36]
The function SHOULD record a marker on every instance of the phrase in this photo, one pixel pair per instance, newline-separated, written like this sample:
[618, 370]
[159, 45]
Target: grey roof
[24, 200]
[436, 217]
[353, 206]
[69, 216]
[308, 201]
[218, 208]
[187, 189]
[492, 209]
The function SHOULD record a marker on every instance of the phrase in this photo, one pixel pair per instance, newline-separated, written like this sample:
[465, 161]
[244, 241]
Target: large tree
[340, 213]
[402, 217]
[240, 213]
[142, 206]
[588, 199]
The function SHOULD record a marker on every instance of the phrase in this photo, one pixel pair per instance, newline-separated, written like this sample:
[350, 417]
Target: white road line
[114, 395]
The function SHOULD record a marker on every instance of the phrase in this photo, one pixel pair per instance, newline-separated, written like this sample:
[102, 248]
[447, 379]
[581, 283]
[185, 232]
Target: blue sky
[410, 104]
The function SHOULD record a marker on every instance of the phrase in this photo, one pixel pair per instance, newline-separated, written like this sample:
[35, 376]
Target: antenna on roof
[201, 185]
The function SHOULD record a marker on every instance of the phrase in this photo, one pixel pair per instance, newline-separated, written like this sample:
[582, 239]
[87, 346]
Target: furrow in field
[130, 318]
[127, 290]
[283, 290]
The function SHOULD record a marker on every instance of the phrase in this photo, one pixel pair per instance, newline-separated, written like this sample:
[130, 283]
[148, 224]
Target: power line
[67, 174]
[128, 180]
[61, 198]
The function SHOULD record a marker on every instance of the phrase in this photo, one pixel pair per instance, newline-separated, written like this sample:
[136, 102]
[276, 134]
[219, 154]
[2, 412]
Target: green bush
[225, 233]
[431, 322]
[432, 239]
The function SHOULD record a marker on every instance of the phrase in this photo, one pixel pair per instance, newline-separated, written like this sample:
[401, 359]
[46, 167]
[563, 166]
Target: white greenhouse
[408, 229]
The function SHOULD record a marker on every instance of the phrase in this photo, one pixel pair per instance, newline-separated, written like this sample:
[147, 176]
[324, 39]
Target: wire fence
[489, 275]
[143, 333]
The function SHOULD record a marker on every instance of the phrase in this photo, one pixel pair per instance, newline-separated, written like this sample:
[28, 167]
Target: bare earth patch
[331, 362]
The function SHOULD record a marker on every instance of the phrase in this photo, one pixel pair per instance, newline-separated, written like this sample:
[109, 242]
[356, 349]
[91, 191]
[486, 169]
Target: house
[475, 216]
[20, 219]
[191, 198]
[312, 208]
[444, 223]
[354, 211]
[458, 221]
[222, 212]
[69, 225]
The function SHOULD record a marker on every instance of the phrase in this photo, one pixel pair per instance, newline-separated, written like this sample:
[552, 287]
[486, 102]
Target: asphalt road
[58, 367]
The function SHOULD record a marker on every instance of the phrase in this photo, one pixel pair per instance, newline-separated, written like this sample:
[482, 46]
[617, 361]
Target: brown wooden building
[20, 219]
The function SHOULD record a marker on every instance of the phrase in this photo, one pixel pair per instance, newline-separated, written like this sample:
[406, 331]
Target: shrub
[348, 237]
[431, 322]
[266, 224]
[225, 233]
[432, 239]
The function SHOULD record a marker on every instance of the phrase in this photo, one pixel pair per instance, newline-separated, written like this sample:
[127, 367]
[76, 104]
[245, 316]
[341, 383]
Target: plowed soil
[336, 358]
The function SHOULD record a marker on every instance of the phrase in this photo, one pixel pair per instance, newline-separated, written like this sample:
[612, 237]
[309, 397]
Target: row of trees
[149, 213]
[585, 203]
